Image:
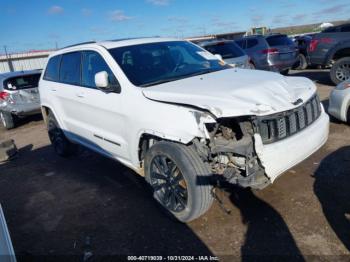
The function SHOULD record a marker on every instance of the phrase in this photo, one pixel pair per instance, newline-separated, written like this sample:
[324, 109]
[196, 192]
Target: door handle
[53, 89]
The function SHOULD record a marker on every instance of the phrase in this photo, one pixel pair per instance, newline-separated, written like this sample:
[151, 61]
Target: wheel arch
[146, 139]
[339, 51]
[45, 110]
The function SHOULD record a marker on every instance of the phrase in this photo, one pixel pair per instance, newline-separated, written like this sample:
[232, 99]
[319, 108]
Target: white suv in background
[176, 114]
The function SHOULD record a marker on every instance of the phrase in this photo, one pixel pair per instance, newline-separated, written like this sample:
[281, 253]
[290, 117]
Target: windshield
[156, 63]
[22, 82]
[225, 49]
[279, 40]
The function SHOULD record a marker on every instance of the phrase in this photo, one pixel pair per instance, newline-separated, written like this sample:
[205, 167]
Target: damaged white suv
[177, 115]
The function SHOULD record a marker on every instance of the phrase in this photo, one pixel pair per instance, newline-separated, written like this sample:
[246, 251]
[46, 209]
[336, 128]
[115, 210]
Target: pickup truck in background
[331, 48]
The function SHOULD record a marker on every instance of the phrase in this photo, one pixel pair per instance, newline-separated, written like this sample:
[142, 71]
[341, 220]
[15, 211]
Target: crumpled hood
[235, 92]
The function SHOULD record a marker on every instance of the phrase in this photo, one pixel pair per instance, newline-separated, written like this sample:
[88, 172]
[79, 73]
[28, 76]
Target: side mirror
[102, 83]
[218, 56]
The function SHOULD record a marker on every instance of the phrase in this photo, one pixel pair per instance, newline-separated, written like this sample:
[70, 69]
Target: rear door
[65, 91]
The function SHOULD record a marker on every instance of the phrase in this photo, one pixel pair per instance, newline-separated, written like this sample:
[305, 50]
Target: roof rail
[83, 43]
[131, 38]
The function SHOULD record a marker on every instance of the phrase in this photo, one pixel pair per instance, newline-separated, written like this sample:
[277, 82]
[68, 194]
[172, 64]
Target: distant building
[24, 61]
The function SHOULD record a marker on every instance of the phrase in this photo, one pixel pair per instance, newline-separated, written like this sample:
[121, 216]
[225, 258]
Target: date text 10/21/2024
[172, 258]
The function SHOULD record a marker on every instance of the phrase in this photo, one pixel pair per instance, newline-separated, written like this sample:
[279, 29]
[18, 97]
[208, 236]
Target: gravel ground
[58, 206]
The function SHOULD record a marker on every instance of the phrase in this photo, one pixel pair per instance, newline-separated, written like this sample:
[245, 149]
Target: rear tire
[7, 120]
[179, 179]
[62, 146]
[251, 66]
[340, 70]
[302, 63]
[285, 72]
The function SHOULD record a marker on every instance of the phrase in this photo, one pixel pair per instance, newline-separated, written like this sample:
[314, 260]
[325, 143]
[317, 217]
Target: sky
[44, 24]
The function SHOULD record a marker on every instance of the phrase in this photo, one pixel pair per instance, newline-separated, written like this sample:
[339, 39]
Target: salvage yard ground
[57, 206]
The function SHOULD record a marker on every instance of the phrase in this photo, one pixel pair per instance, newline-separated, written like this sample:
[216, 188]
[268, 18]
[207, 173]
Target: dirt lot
[56, 206]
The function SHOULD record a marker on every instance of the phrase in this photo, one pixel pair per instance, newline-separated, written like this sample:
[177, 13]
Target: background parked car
[302, 42]
[339, 102]
[229, 51]
[331, 48]
[19, 96]
[272, 52]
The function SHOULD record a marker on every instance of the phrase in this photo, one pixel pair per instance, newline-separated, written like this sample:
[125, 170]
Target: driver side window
[92, 64]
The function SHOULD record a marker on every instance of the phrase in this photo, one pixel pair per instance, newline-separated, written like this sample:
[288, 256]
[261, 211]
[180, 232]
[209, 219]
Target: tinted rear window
[51, 72]
[251, 43]
[70, 68]
[345, 28]
[226, 50]
[240, 43]
[22, 82]
[331, 29]
[279, 40]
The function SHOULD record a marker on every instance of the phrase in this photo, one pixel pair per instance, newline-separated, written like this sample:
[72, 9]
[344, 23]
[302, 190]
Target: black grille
[276, 127]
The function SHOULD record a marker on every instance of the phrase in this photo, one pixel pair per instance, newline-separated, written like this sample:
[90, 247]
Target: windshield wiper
[162, 81]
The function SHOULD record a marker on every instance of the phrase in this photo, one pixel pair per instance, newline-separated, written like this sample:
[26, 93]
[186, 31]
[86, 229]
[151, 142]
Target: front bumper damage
[246, 152]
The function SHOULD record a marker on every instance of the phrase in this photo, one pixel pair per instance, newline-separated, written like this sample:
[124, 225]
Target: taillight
[269, 51]
[314, 43]
[4, 95]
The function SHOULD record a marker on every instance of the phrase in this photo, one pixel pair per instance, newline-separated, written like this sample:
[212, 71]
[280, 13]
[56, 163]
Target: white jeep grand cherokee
[176, 114]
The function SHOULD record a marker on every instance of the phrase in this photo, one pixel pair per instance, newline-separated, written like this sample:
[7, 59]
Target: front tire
[179, 179]
[340, 70]
[7, 120]
[348, 116]
[62, 146]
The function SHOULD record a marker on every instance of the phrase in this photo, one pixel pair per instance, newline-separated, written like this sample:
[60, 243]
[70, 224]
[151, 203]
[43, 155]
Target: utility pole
[9, 62]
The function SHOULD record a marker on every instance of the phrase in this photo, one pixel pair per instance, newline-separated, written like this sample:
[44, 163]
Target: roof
[117, 43]
[18, 73]
[213, 42]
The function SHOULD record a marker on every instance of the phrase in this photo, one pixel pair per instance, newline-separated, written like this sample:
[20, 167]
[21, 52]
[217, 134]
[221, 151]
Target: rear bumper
[21, 109]
[281, 66]
[281, 156]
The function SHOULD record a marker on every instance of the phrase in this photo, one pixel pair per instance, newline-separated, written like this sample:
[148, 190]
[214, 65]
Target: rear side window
[70, 68]
[52, 69]
[225, 49]
[345, 28]
[241, 43]
[330, 30]
[22, 82]
[279, 40]
[94, 63]
[251, 43]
